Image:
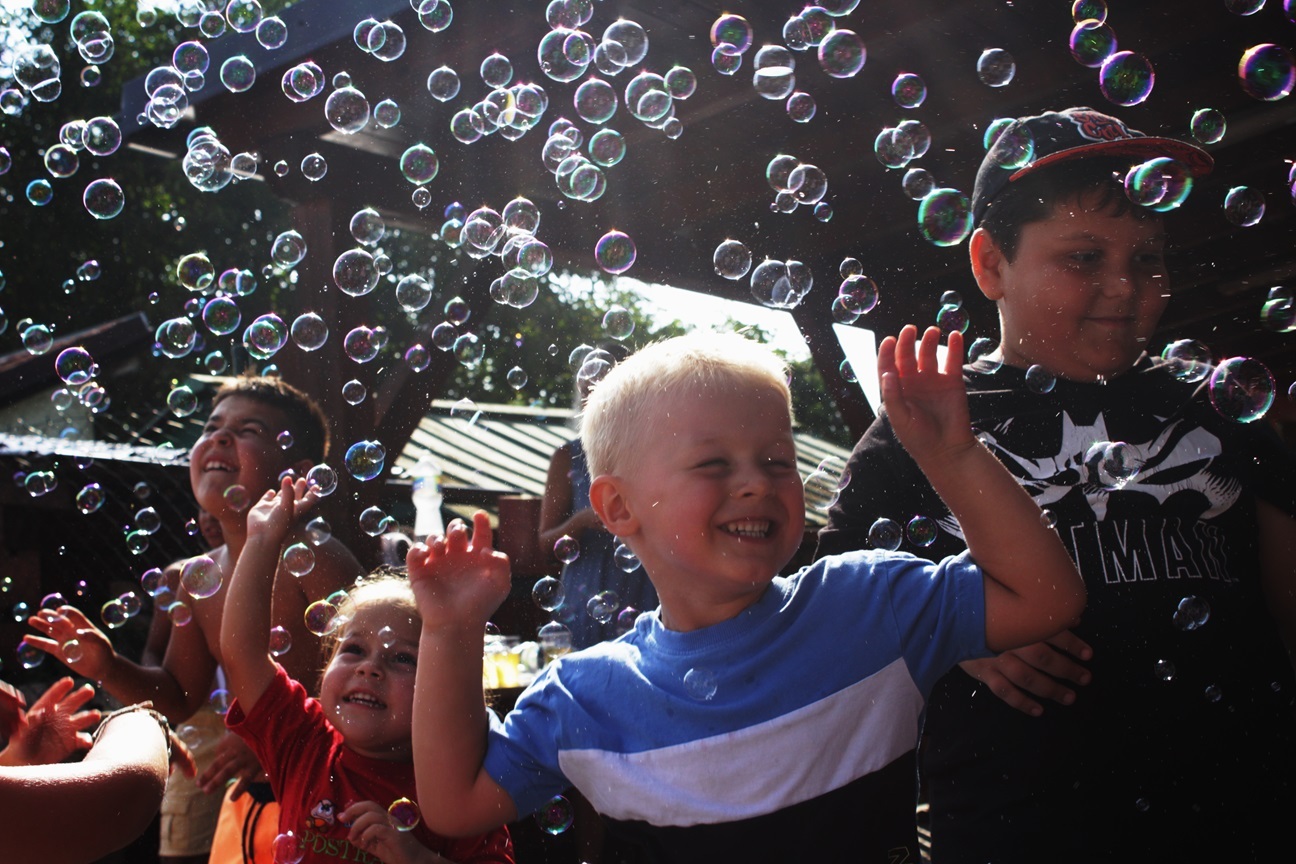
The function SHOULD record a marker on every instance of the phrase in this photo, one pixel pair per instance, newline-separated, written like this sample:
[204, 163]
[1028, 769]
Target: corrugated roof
[505, 450]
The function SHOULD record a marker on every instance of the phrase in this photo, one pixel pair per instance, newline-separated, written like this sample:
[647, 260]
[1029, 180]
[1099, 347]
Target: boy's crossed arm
[1032, 588]
[458, 584]
[246, 624]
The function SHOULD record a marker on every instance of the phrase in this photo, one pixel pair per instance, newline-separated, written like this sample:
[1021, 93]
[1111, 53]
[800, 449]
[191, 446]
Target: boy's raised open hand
[926, 401]
[457, 579]
[94, 652]
[274, 515]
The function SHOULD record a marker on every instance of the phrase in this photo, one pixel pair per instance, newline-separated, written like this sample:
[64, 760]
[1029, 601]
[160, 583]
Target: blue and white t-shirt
[812, 696]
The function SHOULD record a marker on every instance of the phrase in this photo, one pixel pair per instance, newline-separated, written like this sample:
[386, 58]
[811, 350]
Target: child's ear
[611, 505]
[987, 263]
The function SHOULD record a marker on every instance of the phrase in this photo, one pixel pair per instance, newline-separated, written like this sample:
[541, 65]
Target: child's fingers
[886, 357]
[456, 538]
[906, 361]
[927, 350]
[954, 354]
[482, 536]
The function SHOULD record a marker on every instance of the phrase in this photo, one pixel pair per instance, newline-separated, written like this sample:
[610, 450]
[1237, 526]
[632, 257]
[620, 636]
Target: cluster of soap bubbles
[384, 40]
[824, 485]
[780, 284]
[1112, 464]
[797, 183]
[857, 294]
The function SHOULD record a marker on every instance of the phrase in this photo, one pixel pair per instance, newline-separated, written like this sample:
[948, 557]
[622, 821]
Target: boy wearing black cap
[1177, 745]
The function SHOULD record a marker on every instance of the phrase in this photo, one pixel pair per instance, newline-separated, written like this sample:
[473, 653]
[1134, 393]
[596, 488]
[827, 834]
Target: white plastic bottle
[426, 494]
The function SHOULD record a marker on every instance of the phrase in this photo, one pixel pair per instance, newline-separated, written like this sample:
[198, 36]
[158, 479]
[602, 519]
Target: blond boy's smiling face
[712, 504]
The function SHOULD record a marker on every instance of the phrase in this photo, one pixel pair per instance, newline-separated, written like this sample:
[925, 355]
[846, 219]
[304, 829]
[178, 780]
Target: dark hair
[309, 427]
[1033, 197]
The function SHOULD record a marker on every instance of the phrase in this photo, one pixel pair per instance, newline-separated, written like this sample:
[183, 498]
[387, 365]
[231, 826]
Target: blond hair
[625, 408]
[386, 586]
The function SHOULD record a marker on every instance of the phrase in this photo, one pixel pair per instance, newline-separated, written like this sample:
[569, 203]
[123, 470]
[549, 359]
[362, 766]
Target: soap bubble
[556, 815]
[701, 684]
[1092, 42]
[1242, 389]
[443, 84]
[321, 617]
[908, 90]
[309, 331]
[29, 656]
[200, 577]
[1040, 380]
[1244, 206]
[298, 559]
[314, 167]
[1267, 72]
[615, 252]
[104, 199]
[375, 521]
[1188, 360]
[566, 549]
[182, 401]
[318, 531]
[603, 606]
[548, 593]
[921, 530]
[280, 642]
[732, 259]
[265, 336]
[996, 67]
[404, 814]
[1191, 613]
[731, 34]
[364, 460]
[945, 217]
[885, 534]
[90, 498]
[75, 365]
[1126, 78]
[625, 558]
[1208, 125]
[842, 54]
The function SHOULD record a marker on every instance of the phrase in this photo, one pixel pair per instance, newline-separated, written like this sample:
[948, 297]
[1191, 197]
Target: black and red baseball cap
[1061, 136]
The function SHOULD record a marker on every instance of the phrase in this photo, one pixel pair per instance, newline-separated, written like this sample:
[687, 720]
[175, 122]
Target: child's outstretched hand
[458, 580]
[927, 404]
[373, 831]
[273, 516]
[93, 654]
[54, 727]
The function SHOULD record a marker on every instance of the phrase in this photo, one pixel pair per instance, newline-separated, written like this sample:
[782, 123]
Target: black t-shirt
[1184, 738]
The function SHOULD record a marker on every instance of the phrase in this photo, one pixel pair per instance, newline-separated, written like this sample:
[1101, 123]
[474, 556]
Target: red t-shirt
[315, 776]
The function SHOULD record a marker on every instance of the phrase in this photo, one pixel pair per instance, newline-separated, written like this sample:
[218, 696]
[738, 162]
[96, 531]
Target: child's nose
[752, 482]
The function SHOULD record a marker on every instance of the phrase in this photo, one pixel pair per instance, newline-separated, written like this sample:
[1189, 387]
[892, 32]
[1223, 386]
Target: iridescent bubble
[1162, 184]
[725, 64]
[403, 814]
[354, 272]
[288, 249]
[435, 15]
[443, 84]
[885, 534]
[1092, 42]
[195, 271]
[631, 36]
[1242, 389]
[731, 34]
[996, 67]
[908, 90]
[921, 531]
[808, 183]
[1014, 148]
[221, 315]
[364, 459]
[265, 336]
[618, 323]
[1188, 360]
[701, 684]
[182, 401]
[354, 392]
[1267, 72]
[360, 344]
[309, 331]
[419, 164]
[200, 577]
[148, 520]
[323, 479]
[314, 167]
[1208, 125]
[842, 54]
[555, 817]
[918, 183]
[237, 498]
[496, 70]
[387, 114]
[1244, 206]
[945, 217]
[104, 199]
[858, 294]
[952, 319]
[1191, 613]
[37, 339]
[548, 593]
[615, 252]
[1164, 670]
[29, 656]
[566, 549]
[980, 352]
[801, 107]
[298, 559]
[1089, 10]
[375, 521]
[90, 498]
[1040, 380]
[1126, 78]
[321, 617]
[75, 365]
[732, 259]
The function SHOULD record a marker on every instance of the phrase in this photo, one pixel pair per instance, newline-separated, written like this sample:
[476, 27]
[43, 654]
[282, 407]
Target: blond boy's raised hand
[458, 578]
[925, 399]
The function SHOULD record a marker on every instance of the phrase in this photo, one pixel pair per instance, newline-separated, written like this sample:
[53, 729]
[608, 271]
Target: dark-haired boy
[1178, 745]
[241, 446]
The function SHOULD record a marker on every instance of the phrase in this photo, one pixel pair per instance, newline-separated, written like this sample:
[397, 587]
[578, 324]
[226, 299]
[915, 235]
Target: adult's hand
[1041, 670]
